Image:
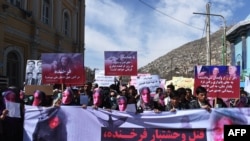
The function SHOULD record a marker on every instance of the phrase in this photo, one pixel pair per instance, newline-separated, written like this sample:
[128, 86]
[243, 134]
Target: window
[17, 3]
[45, 11]
[12, 68]
[66, 23]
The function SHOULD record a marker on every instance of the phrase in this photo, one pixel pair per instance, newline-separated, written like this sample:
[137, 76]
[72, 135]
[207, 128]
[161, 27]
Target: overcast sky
[151, 27]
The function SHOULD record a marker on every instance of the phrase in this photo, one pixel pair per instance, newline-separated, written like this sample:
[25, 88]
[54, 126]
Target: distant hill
[181, 61]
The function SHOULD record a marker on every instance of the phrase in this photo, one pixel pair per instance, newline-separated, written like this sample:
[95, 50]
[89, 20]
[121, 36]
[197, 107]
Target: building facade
[239, 38]
[29, 28]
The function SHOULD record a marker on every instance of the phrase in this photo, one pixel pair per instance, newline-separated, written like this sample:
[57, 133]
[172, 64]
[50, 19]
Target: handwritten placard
[152, 81]
[102, 80]
[133, 79]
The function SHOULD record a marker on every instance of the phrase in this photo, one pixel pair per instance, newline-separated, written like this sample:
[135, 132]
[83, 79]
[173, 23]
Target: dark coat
[195, 104]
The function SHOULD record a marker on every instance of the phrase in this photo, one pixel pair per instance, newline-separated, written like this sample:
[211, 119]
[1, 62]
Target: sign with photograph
[63, 68]
[220, 81]
[33, 75]
[120, 63]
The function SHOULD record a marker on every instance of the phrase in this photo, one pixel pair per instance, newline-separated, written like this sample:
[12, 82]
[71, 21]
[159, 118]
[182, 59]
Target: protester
[87, 91]
[201, 101]
[159, 99]
[170, 89]
[113, 100]
[67, 98]
[122, 103]
[145, 102]
[175, 103]
[219, 103]
[39, 98]
[189, 95]
[12, 126]
[132, 95]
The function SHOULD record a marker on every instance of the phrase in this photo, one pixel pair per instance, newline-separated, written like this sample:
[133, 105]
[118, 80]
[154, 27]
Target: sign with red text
[63, 68]
[73, 123]
[120, 63]
[220, 81]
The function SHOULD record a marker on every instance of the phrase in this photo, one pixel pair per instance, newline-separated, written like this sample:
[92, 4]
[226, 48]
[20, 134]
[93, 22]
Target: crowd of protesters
[115, 97]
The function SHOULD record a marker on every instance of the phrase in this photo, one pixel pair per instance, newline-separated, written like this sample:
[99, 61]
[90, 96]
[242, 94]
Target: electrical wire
[148, 5]
[201, 40]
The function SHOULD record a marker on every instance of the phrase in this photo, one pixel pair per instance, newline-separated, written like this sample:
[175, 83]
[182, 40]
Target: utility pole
[224, 44]
[208, 35]
[171, 65]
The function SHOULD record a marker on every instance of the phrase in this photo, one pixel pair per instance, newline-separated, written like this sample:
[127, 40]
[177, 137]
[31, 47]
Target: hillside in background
[181, 61]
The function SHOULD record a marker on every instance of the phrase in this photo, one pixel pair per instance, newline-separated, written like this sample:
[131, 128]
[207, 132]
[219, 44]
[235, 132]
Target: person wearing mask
[113, 100]
[12, 126]
[145, 102]
[122, 103]
[39, 98]
[159, 99]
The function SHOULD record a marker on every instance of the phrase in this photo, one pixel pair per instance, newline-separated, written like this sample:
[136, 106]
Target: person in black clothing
[183, 101]
[175, 103]
[201, 101]
[12, 127]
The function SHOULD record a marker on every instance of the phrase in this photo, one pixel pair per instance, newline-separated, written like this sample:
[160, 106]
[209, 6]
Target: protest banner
[33, 73]
[30, 89]
[220, 81]
[73, 123]
[182, 82]
[151, 81]
[133, 79]
[63, 68]
[120, 63]
[102, 80]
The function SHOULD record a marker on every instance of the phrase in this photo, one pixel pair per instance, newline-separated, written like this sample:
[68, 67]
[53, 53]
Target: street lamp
[224, 49]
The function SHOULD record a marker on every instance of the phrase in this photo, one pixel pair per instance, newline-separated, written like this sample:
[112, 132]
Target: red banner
[63, 68]
[220, 81]
[120, 63]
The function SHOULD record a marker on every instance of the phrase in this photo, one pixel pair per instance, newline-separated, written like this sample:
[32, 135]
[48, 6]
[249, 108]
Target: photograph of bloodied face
[64, 68]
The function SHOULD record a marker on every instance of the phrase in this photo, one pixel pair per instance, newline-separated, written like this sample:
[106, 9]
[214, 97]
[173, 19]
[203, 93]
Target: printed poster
[63, 68]
[120, 63]
[220, 81]
[33, 75]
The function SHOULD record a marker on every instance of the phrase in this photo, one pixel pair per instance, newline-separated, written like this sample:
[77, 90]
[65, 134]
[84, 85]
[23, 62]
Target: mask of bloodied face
[97, 100]
[145, 95]
[66, 97]
[37, 99]
[122, 104]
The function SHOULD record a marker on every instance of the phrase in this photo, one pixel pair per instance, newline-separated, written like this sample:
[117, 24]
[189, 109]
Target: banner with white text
[220, 81]
[63, 68]
[123, 63]
[73, 123]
